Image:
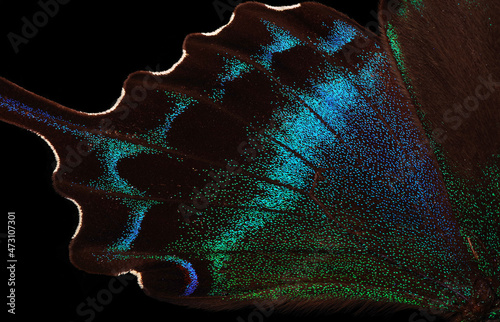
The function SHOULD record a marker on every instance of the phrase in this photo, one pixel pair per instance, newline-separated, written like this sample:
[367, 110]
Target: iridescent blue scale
[287, 163]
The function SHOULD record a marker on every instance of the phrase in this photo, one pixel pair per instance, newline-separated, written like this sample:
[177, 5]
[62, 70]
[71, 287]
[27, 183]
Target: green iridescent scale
[295, 157]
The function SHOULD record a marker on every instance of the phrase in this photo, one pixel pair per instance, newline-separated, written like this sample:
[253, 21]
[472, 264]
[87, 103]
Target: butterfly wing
[447, 54]
[280, 159]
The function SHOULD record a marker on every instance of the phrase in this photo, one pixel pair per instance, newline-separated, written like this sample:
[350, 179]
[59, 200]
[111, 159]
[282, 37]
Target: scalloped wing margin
[279, 159]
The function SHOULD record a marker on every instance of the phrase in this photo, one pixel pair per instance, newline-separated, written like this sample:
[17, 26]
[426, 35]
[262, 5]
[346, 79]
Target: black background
[80, 59]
